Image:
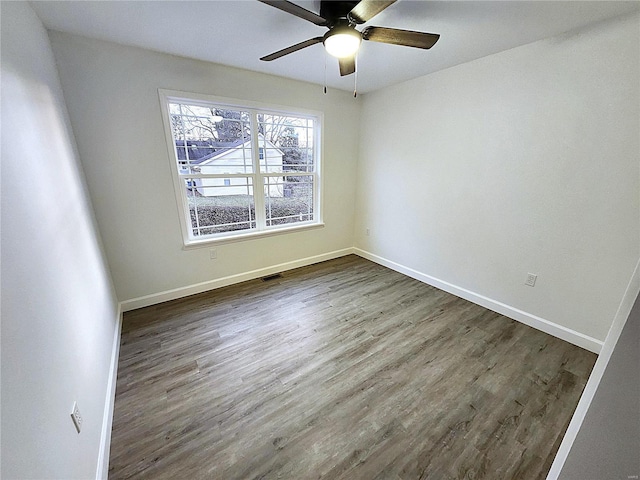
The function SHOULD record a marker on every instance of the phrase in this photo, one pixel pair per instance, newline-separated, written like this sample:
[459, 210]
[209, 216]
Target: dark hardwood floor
[343, 369]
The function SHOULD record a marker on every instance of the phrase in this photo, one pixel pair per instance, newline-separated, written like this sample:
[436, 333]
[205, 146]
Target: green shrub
[233, 209]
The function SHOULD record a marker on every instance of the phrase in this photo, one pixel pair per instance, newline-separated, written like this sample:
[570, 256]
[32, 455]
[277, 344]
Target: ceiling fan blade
[395, 36]
[296, 10]
[292, 48]
[347, 65]
[365, 10]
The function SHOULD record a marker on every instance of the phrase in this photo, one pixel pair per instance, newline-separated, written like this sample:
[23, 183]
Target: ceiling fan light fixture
[342, 42]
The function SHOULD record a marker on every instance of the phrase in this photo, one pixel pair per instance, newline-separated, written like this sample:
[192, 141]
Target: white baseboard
[155, 298]
[589, 392]
[538, 323]
[102, 471]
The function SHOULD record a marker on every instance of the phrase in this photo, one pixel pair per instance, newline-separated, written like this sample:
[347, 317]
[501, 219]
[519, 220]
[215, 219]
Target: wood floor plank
[339, 370]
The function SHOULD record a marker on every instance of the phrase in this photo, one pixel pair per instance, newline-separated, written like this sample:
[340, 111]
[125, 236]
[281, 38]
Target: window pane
[220, 205]
[211, 139]
[234, 158]
[286, 143]
[288, 199]
[230, 158]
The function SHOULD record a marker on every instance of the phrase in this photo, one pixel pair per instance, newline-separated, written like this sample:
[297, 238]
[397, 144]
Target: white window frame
[192, 241]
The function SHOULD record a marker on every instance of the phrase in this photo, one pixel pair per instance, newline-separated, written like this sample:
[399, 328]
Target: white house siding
[234, 161]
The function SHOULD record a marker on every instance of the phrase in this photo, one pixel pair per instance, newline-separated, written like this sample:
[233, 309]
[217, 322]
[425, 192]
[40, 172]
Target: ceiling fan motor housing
[335, 11]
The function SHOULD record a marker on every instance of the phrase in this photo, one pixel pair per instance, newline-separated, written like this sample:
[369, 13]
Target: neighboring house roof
[227, 150]
[206, 151]
[234, 148]
[200, 150]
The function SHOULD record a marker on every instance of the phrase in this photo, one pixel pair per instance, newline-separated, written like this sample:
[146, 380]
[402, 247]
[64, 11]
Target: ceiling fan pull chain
[325, 73]
[355, 77]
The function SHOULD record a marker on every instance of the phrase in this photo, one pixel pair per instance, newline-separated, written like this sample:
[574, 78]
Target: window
[241, 170]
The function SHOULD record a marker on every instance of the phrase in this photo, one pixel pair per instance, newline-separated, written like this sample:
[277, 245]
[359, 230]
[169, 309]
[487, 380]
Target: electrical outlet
[76, 417]
[531, 279]
[213, 254]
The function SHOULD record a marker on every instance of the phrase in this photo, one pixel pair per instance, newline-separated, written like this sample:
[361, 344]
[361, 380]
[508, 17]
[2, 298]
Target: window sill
[194, 244]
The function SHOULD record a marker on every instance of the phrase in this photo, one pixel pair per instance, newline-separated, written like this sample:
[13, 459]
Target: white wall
[112, 96]
[59, 312]
[523, 161]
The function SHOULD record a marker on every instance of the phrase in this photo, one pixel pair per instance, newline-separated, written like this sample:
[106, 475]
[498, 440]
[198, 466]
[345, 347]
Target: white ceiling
[238, 33]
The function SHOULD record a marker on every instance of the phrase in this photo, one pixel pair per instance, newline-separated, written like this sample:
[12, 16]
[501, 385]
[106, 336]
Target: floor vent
[271, 277]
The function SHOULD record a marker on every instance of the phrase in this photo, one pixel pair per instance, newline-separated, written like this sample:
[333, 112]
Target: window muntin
[221, 151]
[212, 211]
[288, 199]
[199, 133]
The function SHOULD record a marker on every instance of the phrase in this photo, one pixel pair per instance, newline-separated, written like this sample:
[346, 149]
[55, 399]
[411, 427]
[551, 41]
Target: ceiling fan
[343, 40]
